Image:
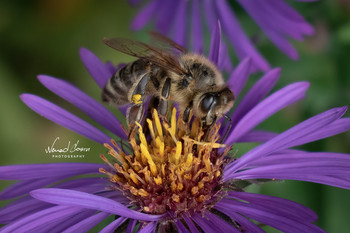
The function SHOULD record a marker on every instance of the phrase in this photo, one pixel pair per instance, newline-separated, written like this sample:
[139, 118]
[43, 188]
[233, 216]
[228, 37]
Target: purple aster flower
[277, 19]
[171, 179]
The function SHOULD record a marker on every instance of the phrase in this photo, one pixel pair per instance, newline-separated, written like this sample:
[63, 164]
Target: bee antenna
[227, 129]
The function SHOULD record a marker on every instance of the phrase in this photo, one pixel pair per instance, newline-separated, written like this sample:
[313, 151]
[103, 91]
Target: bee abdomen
[117, 89]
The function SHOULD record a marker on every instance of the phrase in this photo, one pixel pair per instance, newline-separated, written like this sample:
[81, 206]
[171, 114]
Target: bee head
[212, 105]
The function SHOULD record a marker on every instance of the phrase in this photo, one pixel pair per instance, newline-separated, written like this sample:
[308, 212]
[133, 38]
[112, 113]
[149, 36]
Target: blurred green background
[43, 37]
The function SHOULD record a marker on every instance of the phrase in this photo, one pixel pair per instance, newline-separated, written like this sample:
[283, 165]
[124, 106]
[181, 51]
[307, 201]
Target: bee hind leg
[134, 114]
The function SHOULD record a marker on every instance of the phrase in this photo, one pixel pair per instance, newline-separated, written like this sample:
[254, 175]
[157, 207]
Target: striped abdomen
[117, 89]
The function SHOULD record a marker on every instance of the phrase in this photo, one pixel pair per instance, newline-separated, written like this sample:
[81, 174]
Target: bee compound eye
[206, 103]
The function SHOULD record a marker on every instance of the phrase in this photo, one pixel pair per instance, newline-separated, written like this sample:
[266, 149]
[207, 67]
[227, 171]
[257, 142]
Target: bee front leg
[186, 114]
[163, 100]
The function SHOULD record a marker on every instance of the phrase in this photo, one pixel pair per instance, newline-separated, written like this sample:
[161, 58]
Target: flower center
[172, 168]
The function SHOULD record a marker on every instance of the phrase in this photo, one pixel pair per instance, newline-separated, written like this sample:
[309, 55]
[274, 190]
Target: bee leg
[153, 104]
[209, 129]
[227, 129]
[163, 101]
[186, 114]
[134, 114]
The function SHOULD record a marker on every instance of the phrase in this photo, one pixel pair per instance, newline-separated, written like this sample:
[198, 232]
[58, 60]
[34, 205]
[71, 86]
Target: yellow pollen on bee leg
[151, 164]
[136, 99]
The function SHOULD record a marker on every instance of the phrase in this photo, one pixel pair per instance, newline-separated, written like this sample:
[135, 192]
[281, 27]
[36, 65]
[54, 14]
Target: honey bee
[167, 72]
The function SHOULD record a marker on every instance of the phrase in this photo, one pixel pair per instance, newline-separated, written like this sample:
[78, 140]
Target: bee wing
[166, 43]
[141, 50]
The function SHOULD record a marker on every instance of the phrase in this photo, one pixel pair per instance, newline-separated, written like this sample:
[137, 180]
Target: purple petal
[44, 217]
[256, 94]
[150, 227]
[286, 139]
[197, 32]
[87, 223]
[336, 127]
[28, 205]
[179, 27]
[131, 226]
[112, 69]
[144, 16]
[168, 9]
[257, 11]
[245, 224]
[204, 224]
[23, 187]
[63, 223]
[98, 71]
[180, 227]
[325, 168]
[277, 101]
[20, 208]
[84, 102]
[110, 228]
[239, 77]
[64, 118]
[264, 215]
[282, 206]
[89, 201]
[225, 62]
[35, 171]
[243, 46]
[89, 184]
[220, 224]
[215, 44]
[257, 136]
[190, 224]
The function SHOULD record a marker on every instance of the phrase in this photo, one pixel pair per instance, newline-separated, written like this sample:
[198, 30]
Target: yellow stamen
[207, 162]
[173, 122]
[141, 135]
[158, 125]
[149, 160]
[133, 177]
[158, 180]
[160, 146]
[194, 190]
[142, 193]
[178, 151]
[176, 198]
[151, 130]
[189, 160]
